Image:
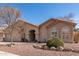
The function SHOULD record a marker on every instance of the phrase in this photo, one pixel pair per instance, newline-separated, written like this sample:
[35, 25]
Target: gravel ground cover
[27, 49]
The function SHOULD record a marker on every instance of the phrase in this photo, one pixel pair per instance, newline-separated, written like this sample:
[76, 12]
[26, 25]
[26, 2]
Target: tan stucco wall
[30, 27]
[45, 30]
[42, 33]
[17, 34]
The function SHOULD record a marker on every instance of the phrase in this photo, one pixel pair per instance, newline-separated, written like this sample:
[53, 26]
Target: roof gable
[60, 20]
[22, 22]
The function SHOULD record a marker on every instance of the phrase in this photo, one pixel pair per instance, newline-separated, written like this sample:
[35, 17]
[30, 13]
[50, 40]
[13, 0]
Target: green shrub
[55, 42]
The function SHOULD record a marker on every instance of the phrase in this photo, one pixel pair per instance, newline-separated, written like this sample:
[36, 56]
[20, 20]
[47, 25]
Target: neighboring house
[24, 31]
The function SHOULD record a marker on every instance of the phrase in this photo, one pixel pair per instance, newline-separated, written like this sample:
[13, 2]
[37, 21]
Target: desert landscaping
[27, 49]
[54, 37]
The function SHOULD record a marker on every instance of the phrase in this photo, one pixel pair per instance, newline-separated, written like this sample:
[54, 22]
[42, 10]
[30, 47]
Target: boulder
[52, 48]
[60, 48]
[37, 46]
[75, 50]
[45, 47]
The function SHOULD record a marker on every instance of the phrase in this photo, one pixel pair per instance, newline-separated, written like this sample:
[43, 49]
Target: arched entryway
[32, 35]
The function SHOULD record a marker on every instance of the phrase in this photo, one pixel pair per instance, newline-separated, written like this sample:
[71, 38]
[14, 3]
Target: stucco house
[24, 31]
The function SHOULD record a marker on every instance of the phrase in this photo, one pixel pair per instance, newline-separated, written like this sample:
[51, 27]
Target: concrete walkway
[7, 54]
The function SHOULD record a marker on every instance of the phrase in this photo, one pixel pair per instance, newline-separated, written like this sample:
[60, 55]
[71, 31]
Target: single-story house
[24, 31]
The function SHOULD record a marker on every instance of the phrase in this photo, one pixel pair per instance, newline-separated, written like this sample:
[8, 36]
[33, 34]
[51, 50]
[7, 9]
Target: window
[65, 36]
[54, 32]
[65, 33]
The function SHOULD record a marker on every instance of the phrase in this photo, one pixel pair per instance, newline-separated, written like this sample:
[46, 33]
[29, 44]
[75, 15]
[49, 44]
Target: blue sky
[38, 13]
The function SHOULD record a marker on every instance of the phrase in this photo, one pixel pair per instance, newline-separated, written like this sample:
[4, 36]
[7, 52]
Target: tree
[68, 17]
[9, 17]
[76, 29]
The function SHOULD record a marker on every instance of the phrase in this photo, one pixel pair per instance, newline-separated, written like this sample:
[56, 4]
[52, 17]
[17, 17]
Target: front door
[32, 35]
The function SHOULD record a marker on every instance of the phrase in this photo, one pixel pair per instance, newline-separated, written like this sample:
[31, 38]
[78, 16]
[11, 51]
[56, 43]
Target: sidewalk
[7, 54]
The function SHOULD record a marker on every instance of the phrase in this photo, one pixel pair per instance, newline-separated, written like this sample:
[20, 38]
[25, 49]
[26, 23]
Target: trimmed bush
[55, 42]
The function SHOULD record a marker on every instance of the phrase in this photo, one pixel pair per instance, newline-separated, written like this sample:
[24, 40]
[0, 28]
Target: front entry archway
[32, 35]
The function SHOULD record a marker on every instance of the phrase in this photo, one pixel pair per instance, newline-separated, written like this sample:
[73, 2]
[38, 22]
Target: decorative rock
[10, 45]
[43, 46]
[46, 47]
[36, 46]
[72, 49]
[52, 48]
[40, 47]
[76, 50]
[60, 48]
